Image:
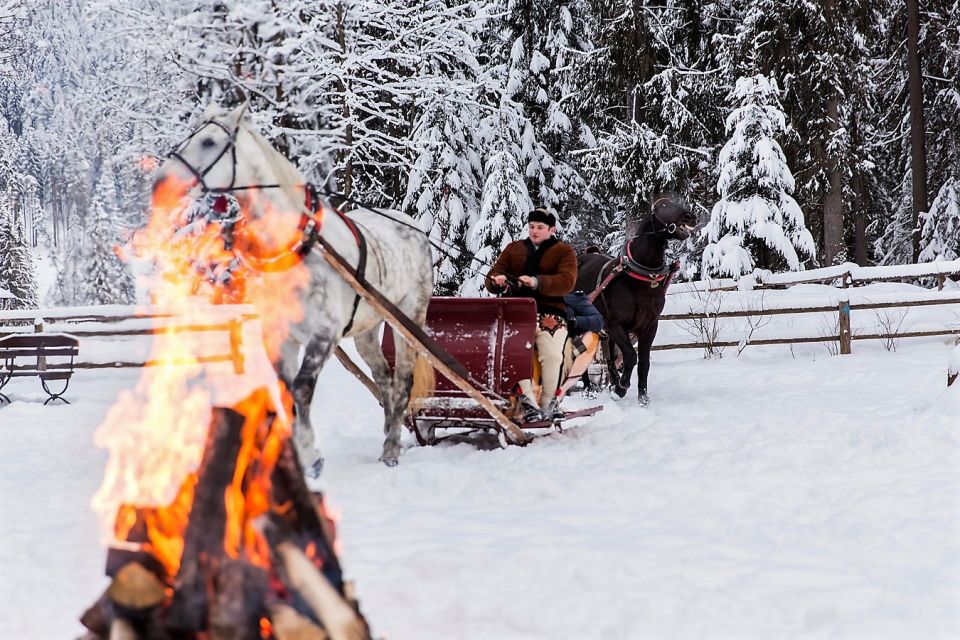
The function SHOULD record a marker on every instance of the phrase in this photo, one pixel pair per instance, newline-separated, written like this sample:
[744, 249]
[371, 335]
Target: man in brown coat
[545, 269]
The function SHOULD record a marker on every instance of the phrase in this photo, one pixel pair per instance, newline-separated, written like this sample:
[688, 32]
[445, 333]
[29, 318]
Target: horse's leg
[406, 360]
[621, 338]
[610, 355]
[368, 346]
[303, 384]
[643, 366]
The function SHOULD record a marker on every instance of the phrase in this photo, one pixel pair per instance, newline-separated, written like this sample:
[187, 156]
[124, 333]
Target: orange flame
[155, 434]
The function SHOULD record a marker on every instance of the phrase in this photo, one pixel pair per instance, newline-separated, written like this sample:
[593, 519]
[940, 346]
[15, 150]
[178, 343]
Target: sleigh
[493, 338]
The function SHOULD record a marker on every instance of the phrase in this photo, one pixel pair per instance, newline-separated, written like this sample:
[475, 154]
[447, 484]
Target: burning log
[136, 588]
[203, 550]
[257, 559]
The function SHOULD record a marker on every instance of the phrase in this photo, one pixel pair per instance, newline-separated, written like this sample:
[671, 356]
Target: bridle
[664, 227]
[230, 146]
[311, 217]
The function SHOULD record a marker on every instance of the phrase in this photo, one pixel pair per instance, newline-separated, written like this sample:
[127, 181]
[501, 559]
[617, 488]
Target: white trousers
[551, 338]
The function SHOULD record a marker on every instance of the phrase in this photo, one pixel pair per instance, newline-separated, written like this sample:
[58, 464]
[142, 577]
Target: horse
[226, 155]
[630, 294]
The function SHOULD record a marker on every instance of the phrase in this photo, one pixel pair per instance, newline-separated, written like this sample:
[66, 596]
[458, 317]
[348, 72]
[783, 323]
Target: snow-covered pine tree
[443, 191]
[940, 226]
[818, 49]
[756, 222]
[17, 273]
[653, 92]
[502, 218]
[533, 45]
[106, 279]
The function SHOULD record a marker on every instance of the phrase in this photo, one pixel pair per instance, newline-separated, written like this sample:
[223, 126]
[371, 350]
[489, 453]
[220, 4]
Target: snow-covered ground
[771, 495]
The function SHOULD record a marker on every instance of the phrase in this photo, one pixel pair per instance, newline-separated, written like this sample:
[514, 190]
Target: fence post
[41, 359]
[845, 338]
[941, 280]
[236, 342]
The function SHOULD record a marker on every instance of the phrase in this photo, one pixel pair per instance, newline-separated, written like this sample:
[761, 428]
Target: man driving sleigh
[545, 269]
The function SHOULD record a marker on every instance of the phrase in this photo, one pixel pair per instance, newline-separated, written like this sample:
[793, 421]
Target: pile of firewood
[299, 595]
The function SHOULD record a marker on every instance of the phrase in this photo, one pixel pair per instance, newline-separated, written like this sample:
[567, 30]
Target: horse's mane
[284, 172]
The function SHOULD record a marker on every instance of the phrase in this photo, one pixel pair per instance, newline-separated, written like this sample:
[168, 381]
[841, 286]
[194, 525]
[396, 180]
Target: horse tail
[424, 382]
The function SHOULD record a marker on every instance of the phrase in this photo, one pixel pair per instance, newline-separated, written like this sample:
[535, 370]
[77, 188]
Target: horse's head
[208, 157]
[672, 220]
[230, 198]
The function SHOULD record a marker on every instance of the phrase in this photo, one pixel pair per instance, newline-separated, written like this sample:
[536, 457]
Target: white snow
[779, 494]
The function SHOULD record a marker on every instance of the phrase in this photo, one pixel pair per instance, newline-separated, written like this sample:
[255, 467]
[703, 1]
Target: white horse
[225, 154]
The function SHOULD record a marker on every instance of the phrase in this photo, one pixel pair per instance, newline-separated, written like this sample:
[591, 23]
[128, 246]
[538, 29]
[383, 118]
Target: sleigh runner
[493, 339]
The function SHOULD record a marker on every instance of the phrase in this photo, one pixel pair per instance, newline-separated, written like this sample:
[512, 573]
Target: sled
[494, 340]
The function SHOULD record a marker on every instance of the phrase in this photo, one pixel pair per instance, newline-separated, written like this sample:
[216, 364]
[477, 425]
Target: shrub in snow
[954, 369]
[756, 222]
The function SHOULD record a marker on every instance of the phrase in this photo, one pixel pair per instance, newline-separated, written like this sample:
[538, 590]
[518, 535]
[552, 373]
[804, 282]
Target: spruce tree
[17, 273]
[756, 222]
[106, 280]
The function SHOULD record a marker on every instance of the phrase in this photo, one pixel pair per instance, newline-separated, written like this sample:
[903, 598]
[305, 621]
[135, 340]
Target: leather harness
[626, 264]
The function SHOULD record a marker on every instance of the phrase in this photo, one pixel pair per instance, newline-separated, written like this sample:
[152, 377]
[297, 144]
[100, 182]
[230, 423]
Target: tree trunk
[346, 156]
[862, 196]
[918, 151]
[833, 202]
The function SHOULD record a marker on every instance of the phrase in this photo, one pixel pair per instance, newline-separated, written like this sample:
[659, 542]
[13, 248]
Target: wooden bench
[48, 356]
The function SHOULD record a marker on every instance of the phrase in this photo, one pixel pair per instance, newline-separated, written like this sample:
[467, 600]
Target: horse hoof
[620, 391]
[390, 462]
[314, 470]
[644, 399]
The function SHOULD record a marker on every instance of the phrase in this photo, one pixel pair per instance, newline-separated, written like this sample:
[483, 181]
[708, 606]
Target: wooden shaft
[419, 340]
[358, 373]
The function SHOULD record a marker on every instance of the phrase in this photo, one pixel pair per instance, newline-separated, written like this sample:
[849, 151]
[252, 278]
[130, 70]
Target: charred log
[203, 551]
[239, 603]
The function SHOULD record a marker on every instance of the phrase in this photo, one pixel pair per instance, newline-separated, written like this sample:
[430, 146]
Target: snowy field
[774, 495]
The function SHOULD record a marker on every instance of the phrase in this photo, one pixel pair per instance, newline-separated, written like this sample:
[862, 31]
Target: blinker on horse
[633, 290]
[225, 155]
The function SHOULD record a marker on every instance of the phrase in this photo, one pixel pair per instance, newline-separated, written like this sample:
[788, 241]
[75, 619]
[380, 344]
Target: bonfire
[211, 529]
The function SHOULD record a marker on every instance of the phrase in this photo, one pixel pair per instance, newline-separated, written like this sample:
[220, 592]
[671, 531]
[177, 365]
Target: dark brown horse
[633, 290]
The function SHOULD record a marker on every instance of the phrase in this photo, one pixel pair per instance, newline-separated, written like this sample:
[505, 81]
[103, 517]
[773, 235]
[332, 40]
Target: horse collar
[638, 271]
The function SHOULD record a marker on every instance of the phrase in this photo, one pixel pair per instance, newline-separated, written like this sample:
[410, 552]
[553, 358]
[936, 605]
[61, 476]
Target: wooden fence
[226, 318]
[845, 336]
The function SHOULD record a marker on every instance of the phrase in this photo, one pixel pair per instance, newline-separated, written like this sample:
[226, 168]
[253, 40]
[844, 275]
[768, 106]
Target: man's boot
[553, 410]
[531, 412]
